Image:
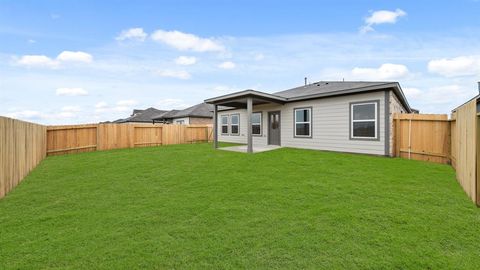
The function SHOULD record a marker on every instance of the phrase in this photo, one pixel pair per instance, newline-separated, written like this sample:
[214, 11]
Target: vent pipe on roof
[478, 87]
[306, 81]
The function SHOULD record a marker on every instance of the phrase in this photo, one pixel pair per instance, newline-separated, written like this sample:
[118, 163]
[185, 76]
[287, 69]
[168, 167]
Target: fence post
[398, 135]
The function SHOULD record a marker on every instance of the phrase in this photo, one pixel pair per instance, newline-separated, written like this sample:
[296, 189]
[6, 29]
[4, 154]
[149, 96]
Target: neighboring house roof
[166, 115]
[317, 90]
[202, 110]
[143, 116]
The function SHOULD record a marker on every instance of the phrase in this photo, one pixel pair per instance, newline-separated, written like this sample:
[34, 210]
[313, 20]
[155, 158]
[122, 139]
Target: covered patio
[242, 100]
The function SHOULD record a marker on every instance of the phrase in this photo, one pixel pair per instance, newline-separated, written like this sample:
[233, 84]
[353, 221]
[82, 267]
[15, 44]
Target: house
[341, 116]
[199, 114]
[141, 116]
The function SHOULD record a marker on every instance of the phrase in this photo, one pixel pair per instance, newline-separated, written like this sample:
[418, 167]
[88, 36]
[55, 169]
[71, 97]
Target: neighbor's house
[141, 116]
[340, 116]
[199, 114]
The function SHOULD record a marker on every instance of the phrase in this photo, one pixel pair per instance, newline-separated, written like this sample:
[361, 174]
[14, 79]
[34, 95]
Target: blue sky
[66, 62]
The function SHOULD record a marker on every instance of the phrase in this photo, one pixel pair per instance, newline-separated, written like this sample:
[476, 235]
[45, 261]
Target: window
[235, 124]
[180, 122]
[224, 124]
[364, 120]
[257, 123]
[303, 122]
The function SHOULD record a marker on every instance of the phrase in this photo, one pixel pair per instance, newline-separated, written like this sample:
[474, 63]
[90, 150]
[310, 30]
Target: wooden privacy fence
[85, 138]
[22, 147]
[466, 148]
[422, 137]
[436, 138]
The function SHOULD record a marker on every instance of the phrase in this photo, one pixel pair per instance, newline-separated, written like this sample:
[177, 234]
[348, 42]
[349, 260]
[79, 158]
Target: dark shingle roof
[324, 87]
[200, 110]
[166, 115]
[143, 116]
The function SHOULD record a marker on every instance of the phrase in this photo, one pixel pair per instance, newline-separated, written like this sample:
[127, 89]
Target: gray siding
[330, 125]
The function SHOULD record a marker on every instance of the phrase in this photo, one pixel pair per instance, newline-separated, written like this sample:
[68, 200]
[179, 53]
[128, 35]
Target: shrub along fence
[23, 145]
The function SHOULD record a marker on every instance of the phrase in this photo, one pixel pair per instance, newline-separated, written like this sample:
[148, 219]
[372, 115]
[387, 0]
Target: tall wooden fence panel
[464, 148]
[84, 138]
[422, 137]
[71, 139]
[147, 136]
[22, 147]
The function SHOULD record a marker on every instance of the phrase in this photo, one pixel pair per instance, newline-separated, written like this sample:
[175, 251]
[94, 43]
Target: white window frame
[231, 124]
[309, 109]
[222, 124]
[374, 120]
[258, 124]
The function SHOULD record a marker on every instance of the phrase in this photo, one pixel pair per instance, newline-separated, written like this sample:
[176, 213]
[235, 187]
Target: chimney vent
[306, 81]
[478, 87]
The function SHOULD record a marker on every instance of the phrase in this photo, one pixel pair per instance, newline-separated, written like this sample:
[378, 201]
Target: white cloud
[384, 72]
[185, 60]
[45, 61]
[101, 105]
[227, 65]
[132, 34]
[77, 91]
[445, 94]
[25, 114]
[75, 57]
[120, 106]
[37, 61]
[31, 41]
[412, 93]
[172, 103]
[71, 109]
[125, 105]
[32, 115]
[178, 74]
[186, 42]
[259, 57]
[381, 17]
[458, 66]
[127, 102]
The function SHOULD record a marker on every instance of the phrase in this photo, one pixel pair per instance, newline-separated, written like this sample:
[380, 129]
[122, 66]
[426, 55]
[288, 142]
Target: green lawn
[189, 206]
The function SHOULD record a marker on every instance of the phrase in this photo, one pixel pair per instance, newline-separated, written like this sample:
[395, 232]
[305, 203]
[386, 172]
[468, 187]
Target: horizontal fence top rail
[64, 127]
[412, 116]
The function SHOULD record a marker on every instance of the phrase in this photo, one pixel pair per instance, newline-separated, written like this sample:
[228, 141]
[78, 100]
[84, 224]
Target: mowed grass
[191, 207]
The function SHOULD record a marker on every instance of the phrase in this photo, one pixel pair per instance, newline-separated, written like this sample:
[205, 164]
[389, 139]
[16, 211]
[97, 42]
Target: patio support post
[215, 126]
[249, 125]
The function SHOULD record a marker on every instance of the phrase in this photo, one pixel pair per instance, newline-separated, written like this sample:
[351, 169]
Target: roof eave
[245, 93]
[393, 85]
